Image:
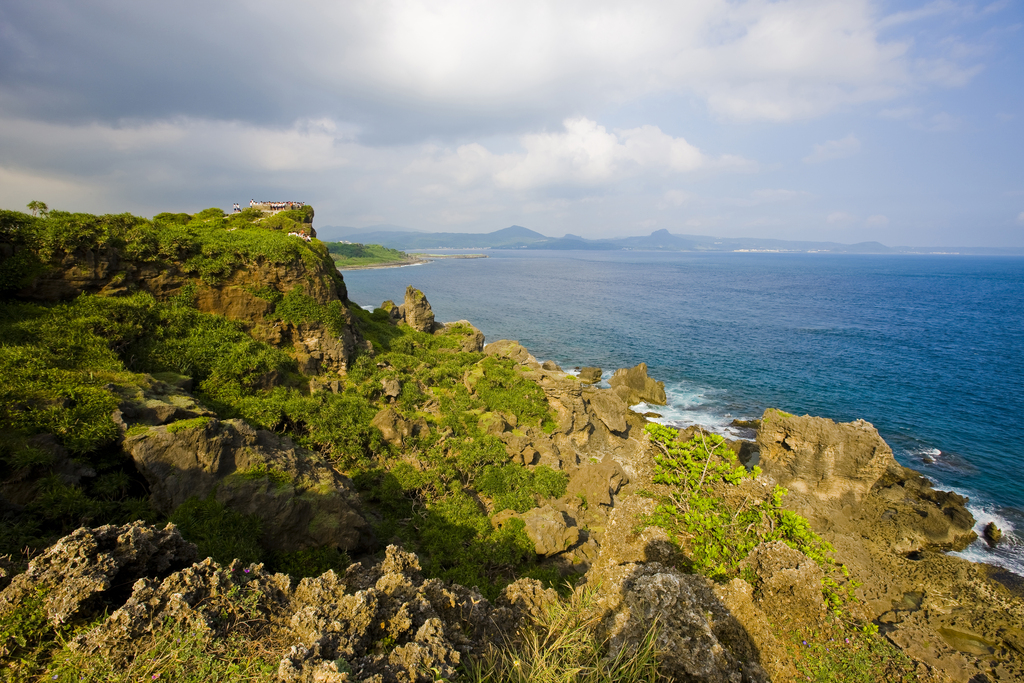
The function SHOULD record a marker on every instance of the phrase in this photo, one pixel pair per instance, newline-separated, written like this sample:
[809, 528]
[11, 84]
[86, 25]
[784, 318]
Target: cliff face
[246, 289]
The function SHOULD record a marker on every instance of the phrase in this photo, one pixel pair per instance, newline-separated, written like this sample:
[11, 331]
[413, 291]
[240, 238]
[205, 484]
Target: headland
[358, 495]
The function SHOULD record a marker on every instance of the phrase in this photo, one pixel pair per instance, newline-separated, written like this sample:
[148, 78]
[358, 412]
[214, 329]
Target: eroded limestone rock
[301, 499]
[633, 386]
[89, 563]
[818, 457]
[416, 312]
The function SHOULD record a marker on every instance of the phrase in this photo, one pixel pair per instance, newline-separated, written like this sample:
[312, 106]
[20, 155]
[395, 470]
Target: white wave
[689, 405]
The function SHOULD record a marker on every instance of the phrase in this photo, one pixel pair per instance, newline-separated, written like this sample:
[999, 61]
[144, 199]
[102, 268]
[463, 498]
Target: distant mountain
[512, 237]
[518, 237]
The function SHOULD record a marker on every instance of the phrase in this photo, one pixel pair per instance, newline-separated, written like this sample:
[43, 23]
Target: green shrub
[514, 487]
[715, 535]
[218, 532]
[310, 562]
[503, 389]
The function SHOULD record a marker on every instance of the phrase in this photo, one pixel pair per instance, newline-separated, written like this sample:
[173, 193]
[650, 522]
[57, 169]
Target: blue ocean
[929, 349]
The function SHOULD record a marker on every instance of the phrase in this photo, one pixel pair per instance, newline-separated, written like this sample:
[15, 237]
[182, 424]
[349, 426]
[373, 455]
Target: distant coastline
[518, 237]
[411, 260]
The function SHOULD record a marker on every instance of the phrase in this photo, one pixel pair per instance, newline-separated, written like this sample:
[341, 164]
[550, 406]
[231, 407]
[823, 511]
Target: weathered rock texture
[385, 623]
[700, 639]
[301, 499]
[106, 271]
[473, 339]
[592, 424]
[158, 401]
[633, 386]
[816, 456]
[590, 375]
[416, 312]
[77, 570]
[886, 523]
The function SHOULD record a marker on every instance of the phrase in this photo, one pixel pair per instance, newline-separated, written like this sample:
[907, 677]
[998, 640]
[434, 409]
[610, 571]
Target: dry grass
[562, 647]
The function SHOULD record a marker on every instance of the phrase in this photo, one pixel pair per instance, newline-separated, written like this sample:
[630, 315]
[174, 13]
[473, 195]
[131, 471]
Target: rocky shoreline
[432, 450]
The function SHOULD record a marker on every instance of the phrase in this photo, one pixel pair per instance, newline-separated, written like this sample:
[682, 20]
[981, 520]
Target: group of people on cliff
[275, 206]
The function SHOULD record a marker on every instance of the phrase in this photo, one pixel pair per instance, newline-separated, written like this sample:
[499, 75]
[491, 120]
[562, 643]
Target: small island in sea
[213, 460]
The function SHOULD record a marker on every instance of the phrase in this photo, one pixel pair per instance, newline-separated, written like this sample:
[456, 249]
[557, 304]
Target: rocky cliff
[407, 479]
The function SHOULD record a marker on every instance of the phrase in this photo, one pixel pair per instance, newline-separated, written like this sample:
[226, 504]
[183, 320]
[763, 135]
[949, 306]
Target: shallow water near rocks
[929, 349]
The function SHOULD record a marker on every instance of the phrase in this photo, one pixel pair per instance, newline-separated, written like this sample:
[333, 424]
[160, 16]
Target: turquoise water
[930, 349]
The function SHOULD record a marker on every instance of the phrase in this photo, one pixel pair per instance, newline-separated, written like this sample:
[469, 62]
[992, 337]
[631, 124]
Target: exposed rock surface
[396, 429]
[787, 582]
[590, 375]
[633, 386]
[551, 531]
[700, 639]
[385, 623]
[473, 341]
[302, 501]
[816, 456]
[886, 523]
[158, 401]
[416, 312]
[592, 424]
[597, 482]
[74, 572]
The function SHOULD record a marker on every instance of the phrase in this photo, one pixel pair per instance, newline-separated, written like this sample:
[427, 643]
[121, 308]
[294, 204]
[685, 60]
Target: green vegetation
[836, 652]
[208, 246]
[362, 255]
[67, 362]
[237, 646]
[219, 533]
[716, 535]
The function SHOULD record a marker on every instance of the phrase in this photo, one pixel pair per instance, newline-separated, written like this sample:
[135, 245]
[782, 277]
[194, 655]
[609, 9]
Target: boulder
[392, 387]
[634, 386]
[302, 501]
[89, 563]
[551, 365]
[608, 407]
[993, 534]
[506, 348]
[597, 483]
[472, 338]
[551, 531]
[820, 458]
[395, 428]
[698, 638]
[156, 401]
[416, 311]
[788, 582]
[590, 375]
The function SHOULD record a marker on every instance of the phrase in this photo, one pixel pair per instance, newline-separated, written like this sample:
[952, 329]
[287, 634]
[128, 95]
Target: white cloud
[676, 198]
[834, 149]
[584, 154]
[839, 217]
[877, 221]
[144, 167]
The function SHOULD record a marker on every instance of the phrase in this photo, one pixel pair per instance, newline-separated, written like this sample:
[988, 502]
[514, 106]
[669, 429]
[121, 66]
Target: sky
[832, 120]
